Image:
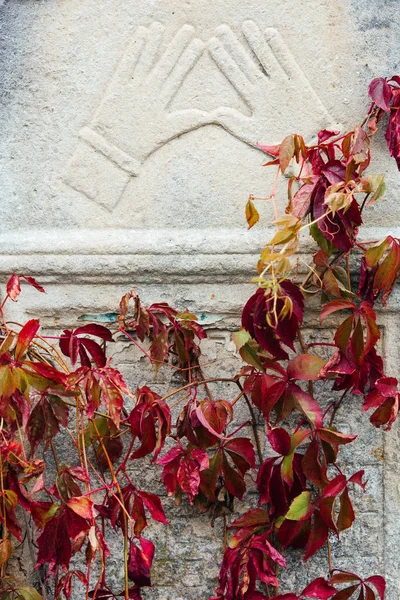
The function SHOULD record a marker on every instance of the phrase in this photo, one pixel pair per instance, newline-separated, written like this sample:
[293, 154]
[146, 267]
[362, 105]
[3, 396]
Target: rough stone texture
[127, 165]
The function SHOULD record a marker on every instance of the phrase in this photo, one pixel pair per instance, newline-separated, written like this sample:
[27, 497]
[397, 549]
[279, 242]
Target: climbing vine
[65, 387]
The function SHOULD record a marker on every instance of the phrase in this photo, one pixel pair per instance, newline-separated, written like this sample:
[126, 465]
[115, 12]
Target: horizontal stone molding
[145, 255]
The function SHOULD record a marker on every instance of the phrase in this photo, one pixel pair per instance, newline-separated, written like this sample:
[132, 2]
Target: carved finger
[169, 59]
[126, 67]
[261, 49]
[184, 65]
[283, 55]
[293, 71]
[230, 69]
[148, 56]
[237, 52]
[124, 72]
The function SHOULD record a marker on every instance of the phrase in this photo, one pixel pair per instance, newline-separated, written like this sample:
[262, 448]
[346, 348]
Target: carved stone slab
[128, 150]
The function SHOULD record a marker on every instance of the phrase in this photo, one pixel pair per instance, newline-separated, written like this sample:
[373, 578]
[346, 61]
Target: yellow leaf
[5, 550]
[252, 216]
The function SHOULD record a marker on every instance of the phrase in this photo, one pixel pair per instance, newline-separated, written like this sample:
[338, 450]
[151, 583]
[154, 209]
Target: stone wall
[127, 155]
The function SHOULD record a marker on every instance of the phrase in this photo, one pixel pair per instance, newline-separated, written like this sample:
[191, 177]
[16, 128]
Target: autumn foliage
[68, 387]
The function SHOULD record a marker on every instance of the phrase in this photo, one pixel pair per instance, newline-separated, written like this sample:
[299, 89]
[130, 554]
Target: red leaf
[334, 306]
[159, 349]
[344, 577]
[34, 283]
[318, 536]
[347, 593]
[45, 419]
[138, 515]
[73, 346]
[149, 411]
[182, 470]
[379, 583]
[319, 588]
[95, 351]
[335, 487]
[47, 371]
[25, 337]
[306, 404]
[170, 456]
[82, 506]
[357, 478]
[272, 150]
[280, 440]
[96, 330]
[13, 287]
[54, 543]
[154, 506]
[393, 131]
[312, 467]
[302, 200]
[140, 561]
[326, 509]
[381, 93]
[206, 424]
[241, 449]
[252, 518]
[346, 512]
[325, 134]
[335, 437]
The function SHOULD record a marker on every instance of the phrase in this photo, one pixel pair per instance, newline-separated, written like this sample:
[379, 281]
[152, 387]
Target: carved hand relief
[134, 118]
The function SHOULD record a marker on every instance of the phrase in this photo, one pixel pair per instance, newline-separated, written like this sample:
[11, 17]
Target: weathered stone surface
[126, 164]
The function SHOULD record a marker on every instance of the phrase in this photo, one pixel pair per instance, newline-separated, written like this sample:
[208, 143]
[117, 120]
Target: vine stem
[273, 192]
[336, 407]
[328, 545]
[253, 421]
[53, 450]
[116, 483]
[5, 532]
[225, 531]
[197, 382]
[154, 360]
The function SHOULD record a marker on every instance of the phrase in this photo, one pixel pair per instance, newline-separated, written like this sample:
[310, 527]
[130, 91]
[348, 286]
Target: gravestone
[128, 150]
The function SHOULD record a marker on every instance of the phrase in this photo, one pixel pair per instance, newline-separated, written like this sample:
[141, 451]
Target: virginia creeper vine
[304, 496]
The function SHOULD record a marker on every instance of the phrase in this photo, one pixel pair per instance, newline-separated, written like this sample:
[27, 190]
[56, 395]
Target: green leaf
[343, 332]
[331, 284]
[250, 356]
[377, 185]
[374, 254]
[323, 243]
[29, 593]
[301, 508]
[240, 338]
[90, 431]
[387, 271]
